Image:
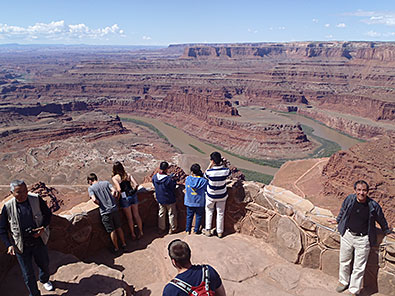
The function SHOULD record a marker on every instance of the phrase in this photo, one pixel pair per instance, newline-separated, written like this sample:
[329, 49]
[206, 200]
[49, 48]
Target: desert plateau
[298, 123]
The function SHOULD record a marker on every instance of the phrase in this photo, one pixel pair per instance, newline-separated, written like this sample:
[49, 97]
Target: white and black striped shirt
[216, 188]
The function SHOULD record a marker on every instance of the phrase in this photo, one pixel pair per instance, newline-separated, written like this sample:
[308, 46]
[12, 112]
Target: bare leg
[129, 217]
[114, 239]
[121, 236]
[135, 210]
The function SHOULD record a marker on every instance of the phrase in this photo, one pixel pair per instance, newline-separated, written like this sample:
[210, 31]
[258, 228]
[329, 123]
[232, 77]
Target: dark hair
[180, 252]
[92, 177]
[195, 168]
[118, 169]
[361, 182]
[216, 157]
[163, 165]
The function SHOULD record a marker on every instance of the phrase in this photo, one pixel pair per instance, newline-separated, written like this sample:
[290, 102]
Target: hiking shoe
[207, 232]
[48, 286]
[341, 288]
[187, 232]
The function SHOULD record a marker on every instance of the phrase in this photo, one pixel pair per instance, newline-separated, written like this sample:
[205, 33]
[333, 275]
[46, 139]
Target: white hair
[16, 183]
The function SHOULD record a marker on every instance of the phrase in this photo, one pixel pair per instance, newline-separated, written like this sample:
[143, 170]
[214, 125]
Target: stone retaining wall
[293, 225]
[301, 234]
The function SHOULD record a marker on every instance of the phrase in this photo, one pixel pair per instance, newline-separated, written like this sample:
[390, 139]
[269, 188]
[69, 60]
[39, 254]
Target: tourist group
[25, 219]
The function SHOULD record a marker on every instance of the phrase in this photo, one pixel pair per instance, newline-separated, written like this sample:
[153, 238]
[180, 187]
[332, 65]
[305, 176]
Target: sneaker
[187, 232]
[207, 232]
[172, 231]
[48, 286]
[341, 288]
[220, 235]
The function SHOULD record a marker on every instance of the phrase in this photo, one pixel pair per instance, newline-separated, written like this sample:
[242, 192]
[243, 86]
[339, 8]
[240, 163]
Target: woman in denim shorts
[126, 187]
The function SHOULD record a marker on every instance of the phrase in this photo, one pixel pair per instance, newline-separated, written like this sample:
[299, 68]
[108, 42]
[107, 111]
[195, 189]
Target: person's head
[118, 169]
[196, 170]
[216, 157]
[361, 189]
[163, 166]
[179, 253]
[91, 178]
[18, 189]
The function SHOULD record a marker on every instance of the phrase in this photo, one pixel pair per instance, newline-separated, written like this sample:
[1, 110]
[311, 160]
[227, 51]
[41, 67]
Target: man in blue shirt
[26, 217]
[357, 226]
[166, 198]
[188, 274]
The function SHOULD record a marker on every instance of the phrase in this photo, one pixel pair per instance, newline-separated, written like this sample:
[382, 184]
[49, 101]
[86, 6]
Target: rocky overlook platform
[268, 230]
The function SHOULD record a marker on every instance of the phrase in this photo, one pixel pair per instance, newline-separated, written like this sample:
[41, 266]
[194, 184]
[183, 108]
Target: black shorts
[111, 221]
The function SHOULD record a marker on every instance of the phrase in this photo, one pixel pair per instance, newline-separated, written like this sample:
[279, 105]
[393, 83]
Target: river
[182, 141]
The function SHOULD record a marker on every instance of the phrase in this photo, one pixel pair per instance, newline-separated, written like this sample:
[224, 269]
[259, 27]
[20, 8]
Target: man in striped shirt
[216, 194]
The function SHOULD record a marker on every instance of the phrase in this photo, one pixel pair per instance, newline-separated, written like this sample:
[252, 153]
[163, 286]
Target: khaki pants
[359, 248]
[171, 208]
[220, 206]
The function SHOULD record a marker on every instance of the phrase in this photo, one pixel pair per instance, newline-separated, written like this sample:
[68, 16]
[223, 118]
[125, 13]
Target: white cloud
[327, 25]
[314, 20]
[281, 28]
[375, 17]
[58, 30]
[147, 38]
[373, 34]
[329, 36]
[341, 25]
[252, 31]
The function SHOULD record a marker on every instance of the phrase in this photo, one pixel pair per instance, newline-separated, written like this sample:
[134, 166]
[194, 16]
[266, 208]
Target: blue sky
[122, 22]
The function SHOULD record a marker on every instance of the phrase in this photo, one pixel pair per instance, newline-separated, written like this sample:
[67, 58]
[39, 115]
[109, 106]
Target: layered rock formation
[349, 50]
[373, 162]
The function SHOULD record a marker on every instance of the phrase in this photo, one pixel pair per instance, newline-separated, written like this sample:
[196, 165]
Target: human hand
[11, 250]
[332, 221]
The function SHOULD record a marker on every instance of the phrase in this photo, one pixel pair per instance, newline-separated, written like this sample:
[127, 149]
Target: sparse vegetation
[274, 163]
[256, 176]
[197, 148]
[152, 128]
[326, 149]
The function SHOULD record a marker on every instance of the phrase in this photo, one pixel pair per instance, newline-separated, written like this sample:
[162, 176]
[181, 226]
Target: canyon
[67, 112]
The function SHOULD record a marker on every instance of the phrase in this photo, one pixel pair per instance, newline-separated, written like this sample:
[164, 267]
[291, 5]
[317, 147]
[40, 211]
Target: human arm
[220, 291]
[133, 182]
[342, 209]
[4, 228]
[47, 214]
[381, 220]
[93, 197]
[116, 180]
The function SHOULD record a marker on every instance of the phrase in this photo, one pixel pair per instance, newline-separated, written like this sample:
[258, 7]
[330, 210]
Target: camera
[30, 230]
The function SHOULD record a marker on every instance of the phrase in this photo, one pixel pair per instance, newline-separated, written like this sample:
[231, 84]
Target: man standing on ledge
[102, 193]
[216, 193]
[26, 217]
[356, 224]
[166, 198]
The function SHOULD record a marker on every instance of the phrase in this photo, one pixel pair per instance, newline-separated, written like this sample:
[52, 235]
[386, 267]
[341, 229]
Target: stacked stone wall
[297, 229]
[301, 233]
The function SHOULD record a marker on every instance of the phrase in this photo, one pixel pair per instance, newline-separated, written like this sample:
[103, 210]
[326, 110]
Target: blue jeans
[40, 254]
[199, 215]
